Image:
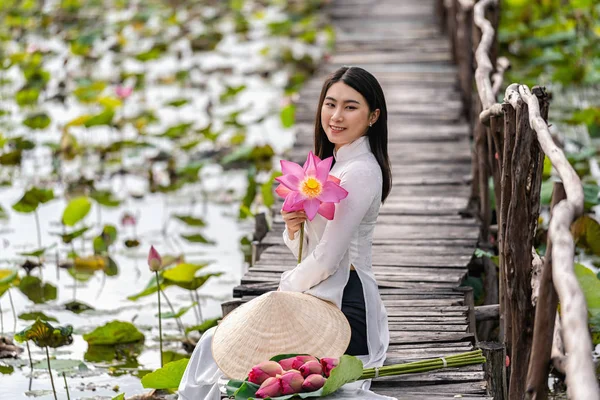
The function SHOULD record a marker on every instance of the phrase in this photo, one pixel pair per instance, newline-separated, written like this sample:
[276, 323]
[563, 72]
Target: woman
[351, 126]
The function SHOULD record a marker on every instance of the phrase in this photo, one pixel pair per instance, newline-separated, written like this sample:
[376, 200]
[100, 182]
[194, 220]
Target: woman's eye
[329, 105]
[351, 108]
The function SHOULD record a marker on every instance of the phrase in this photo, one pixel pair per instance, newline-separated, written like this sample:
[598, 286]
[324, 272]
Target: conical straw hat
[278, 323]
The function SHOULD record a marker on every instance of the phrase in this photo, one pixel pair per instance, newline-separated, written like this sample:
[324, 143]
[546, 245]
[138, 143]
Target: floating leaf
[182, 310]
[61, 365]
[89, 264]
[32, 316]
[114, 332]
[36, 290]
[69, 237]
[167, 377]
[32, 199]
[191, 221]
[76, 210]
[129, 243]
[11, 158]
[197, 238]
[183, 272]
[6, 369]
[104, 118]
[8, 277]
[178, 102]
[38, 252]
[105, 198]
[37, 121]
[230, 92]
[45, 335]
[203, 327]
[177, 131]
[77, 307]
[119, 397]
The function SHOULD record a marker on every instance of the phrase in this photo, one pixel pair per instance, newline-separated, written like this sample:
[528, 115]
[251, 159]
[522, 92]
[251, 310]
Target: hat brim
[278, 323]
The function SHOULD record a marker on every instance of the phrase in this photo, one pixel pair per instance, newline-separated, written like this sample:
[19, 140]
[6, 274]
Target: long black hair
[365, 84]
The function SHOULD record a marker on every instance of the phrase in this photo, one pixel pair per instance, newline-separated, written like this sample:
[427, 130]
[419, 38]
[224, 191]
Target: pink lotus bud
[291, 382]
[123, 91]
[128, 219]
[313, 382]
[301, 360]
[154, 260]
[311, 367]
[269, 388]
[328, 364]
[286, 363]
[263, 371]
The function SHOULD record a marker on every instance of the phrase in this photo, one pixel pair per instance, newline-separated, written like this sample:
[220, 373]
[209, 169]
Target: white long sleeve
[363, 185]
[294, 244]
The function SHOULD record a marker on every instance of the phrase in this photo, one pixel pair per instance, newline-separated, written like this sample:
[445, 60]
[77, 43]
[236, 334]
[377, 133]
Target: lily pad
[114, 332]
[167, 377]
[197, 238]
[189, 220]
[77, 307]
[37, 121]
[61, 365]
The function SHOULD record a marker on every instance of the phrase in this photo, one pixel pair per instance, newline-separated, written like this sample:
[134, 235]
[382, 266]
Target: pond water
[175, 89]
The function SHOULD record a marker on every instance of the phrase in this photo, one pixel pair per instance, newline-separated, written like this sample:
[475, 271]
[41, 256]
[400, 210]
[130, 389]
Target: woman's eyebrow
[345, 101]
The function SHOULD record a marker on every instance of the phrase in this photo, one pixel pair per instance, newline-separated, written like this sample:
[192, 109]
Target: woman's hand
[293, 221]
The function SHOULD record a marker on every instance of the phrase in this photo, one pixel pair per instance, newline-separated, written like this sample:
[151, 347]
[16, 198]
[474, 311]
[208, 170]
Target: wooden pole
[494, 369]
[537, 374]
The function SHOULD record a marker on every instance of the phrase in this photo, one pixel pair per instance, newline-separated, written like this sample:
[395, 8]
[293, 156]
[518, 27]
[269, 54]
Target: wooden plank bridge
[421, 244]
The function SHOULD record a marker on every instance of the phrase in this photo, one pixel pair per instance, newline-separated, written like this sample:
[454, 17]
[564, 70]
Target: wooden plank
[449, 389]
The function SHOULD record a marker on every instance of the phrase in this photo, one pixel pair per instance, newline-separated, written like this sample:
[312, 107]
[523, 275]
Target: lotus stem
[177, 319]
[12, 306]
[159, 320]
[194, 308]
[66, 386]
[198, 306]
[301, 242]
[457, 360]
[1, 321]
[39, 233]
[50, 372]
[30, 363]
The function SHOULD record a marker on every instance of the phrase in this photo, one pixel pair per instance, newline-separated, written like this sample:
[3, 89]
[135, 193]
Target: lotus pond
[126, 124]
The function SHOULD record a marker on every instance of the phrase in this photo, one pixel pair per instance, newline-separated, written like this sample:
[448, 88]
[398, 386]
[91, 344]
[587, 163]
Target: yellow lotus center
[311, 187]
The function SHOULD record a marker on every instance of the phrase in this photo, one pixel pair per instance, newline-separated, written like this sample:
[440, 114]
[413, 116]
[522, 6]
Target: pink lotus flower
[123, 92]
[310, 188]
[328, 364]
[269, 388]
[311, 367]
[301, 360]
[264, 371]
[291, 382]
[154, 260]
[313, 382]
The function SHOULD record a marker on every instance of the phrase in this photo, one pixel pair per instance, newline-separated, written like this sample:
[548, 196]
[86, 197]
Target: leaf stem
[50, 372]
[12, 306]
[177, 319]
[159, 320]
[37, 225]
[66, 386]
[30, 363]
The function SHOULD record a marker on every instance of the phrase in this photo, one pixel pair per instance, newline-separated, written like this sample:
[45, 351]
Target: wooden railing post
[545, 314]
[495, 369]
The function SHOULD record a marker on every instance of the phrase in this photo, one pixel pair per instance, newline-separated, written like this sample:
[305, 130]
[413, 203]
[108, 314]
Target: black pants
[353, 307]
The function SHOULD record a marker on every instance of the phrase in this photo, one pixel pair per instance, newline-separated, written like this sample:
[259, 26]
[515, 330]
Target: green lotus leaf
[45, 335]
[36, 290]
[32, 199]
[196, 283]
[34, 315]
[76, 210]
[105, 198]
[37, 121]
[61, 365]
[183, 272]
[150, 288]
[197, 238]
[191, 221]
[114, 332]
[104, 118]
[167, 377]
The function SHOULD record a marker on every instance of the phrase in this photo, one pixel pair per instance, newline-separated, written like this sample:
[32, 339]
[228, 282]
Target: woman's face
[345, 115]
